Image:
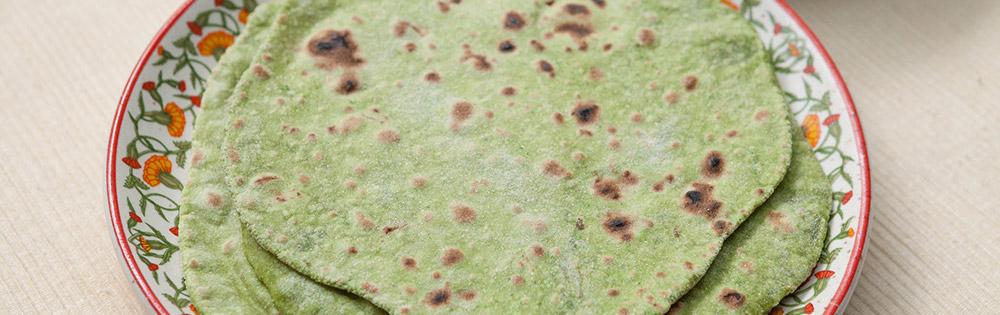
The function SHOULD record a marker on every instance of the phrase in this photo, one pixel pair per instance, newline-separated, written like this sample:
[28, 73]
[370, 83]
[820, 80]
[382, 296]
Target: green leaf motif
[837, 195]
[795, 312]
[843, 227]
[160, 61]
[181, 158]
[179, 302]
[134, 182]
[847, 177]
[169, 252]
[824, 150]
[170, 181]
[181, 42]
[834, 130]
[821, 284]
[828, 257]
[202, 18]
[131, 151]
[159, 117]
[229, 5]
[183, 145]
[155, 245]
[181, 63]
[156, 96]
[820, 107]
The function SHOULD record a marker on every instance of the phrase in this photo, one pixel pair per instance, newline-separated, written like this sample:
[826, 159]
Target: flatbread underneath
[774, 250]
[217, 276]
[294, 293]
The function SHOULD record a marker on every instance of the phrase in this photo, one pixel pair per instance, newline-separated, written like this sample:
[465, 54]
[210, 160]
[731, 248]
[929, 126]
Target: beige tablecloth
[925, 75]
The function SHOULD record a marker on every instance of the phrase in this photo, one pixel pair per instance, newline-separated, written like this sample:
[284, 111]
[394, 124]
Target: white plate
[153, 124]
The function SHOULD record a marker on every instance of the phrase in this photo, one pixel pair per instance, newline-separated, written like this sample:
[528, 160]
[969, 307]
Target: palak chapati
[488, 156]
[774, 250]
[217, 274]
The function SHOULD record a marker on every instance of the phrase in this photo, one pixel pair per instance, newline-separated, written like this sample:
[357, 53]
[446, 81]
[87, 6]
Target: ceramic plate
[152, 130]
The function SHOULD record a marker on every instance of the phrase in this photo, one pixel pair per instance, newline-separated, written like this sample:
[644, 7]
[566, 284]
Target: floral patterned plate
[150, 138]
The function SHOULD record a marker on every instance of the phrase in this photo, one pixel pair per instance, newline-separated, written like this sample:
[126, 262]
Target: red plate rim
[133, 267]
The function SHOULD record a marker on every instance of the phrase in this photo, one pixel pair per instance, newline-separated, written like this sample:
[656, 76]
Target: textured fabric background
[925, 75]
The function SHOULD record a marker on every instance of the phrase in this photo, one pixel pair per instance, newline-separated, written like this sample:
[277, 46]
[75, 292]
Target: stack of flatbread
[498, 157]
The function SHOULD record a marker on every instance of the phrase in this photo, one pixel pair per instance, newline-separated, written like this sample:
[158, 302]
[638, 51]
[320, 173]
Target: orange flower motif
[824, 274]
[153, 267]
[810, 127]
[809, 308]
[156, 165]
[243, 16]
[193, 309]
[157, 170]
[144, 244]
[215, 43]
[730, 4]
[176, 126]
[793, 50]
[850, 232]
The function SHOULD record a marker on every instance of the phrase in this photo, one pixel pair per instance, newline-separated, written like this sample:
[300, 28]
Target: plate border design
[121, 239]
[857, 252]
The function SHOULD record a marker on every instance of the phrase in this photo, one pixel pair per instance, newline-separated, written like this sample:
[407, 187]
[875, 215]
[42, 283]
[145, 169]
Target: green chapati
[216, 271]
[294, 293]
[774, 250]
[506, 155]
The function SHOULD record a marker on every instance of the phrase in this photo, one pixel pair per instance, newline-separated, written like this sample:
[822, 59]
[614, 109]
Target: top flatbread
[496, 155]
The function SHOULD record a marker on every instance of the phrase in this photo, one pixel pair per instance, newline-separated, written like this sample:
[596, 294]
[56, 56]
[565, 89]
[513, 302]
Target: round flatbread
[216, 274]
[496, 155]
[774, 250]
